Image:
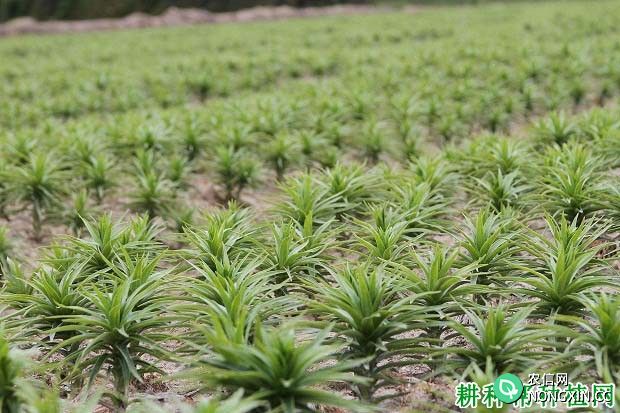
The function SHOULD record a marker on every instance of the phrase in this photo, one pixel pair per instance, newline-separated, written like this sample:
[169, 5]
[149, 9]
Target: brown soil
[179, 17]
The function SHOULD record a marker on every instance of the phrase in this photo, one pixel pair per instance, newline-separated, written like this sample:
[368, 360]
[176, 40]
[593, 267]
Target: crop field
[336, 214]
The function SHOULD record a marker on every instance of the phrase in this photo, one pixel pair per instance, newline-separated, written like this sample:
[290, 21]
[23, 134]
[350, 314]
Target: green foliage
[225, 234]
[373, 141]
[390, 220]
[46, 299]
[436, 278]
[6, 247]
[152, 195]
[98, 174]
[12, 372]
[498, 340]
[281, 152]
[570, 182]
[231, 298]
[179, 170]
[80, 209]
[277, 369]
[37, 184]
[351, 185]
[555, 129]
[499, 191]
[384, 237]
[365, 308]
[568, 267]
[489, 244]
[305, 196]
[594, 343]
[435, 172]
[193, 139]
[423, 209]
[294, 254]
[119, 325]
[105, 242]
[235, 171]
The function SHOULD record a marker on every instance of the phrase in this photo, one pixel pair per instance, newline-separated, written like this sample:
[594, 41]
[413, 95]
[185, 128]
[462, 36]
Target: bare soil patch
[180, 17]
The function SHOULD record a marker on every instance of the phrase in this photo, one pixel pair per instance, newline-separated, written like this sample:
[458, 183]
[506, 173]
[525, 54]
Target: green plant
[236, 170]
[385, 237]
[45, 301]
[281, 153]
[577, 91]
[555, 129]
[496, 120]
[179, 170]
[6, 247]
[152, 136]
[490, 154]
[568, 267]
[448, 128]
[436, 278]
[351, 185]
[79, 210]
[22, 393]
[373, 141]
[14, 281]
[571, 182]
[84, 147]
[104, 242]
[3, 197]
[431, 111]
[435, 172]
[489, 244]
[424, 210]
[119, 326]
[270, 118]
[594, 341]
[385, 256]
[499, 191]
[365, 308]
[599, 126]
[98, 174]
[39, 184]
[183, 217]
[499, 340]
[328, 156]
[49, 401]
[291, 255]
[233, 404]
[610, 204]
[360, 102]
[305, 196]
[411, 148]
[236, 136]
[230, 298]
[145, 162]
[21, 146]
[335, 133]
[192, 138]
[508, 155]
[277, 369]
[226, 234]
[153, 195]
[310, 143]
[13, 383]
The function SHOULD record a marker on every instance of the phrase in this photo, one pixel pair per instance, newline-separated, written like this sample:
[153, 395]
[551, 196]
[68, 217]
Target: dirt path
[179, 17]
